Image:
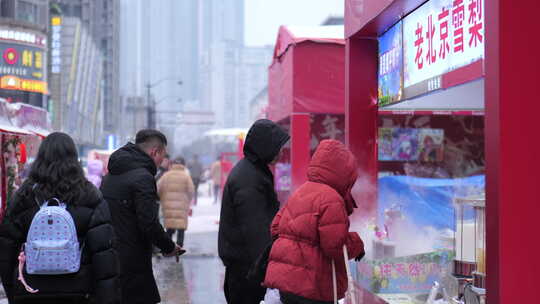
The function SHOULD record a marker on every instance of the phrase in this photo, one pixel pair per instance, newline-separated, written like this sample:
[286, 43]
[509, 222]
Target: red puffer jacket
[313, 227]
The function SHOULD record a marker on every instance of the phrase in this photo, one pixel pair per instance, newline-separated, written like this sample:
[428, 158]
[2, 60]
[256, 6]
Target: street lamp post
[152, 103]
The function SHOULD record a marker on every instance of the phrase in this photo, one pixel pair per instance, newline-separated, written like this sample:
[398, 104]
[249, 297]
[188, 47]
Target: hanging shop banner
[391, 65]
[439, 37]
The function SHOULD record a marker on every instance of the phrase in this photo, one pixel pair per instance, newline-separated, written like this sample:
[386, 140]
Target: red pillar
[512, 145]
[361, 117]
[300, 146]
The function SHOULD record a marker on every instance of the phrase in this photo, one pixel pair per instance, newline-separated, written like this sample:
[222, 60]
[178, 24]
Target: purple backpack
[52, 246]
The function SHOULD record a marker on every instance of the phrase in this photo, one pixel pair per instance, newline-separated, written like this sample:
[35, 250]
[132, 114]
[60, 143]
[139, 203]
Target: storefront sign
[22, 61]
[439, 37]
[56, 45]
[391, 66]
[19, 84]
[411, 274]
[19, 36]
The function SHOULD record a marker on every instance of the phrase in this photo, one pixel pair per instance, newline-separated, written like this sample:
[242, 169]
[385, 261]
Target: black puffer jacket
[249, 200]
[130, 189]
[97, 278]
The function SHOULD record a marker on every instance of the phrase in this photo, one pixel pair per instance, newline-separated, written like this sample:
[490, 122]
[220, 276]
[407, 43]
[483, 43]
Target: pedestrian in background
[57, 173]
[175, 189]
[311, 229]
[163, 167]
[95, 172]
[130, 188]
[196, 171]
[215, 174]
[248, 207]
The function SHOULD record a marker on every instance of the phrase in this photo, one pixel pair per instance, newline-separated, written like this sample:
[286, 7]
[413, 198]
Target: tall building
[221, 31]
[23, 51]
[160, 48]
[252, 78]
[79, 107]
[231, 73]
[101, 18]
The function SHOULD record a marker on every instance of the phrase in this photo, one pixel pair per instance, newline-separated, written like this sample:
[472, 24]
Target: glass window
[7, 8]
[27, 11]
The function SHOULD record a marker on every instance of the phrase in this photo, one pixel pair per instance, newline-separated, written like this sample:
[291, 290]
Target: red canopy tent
[306, 80]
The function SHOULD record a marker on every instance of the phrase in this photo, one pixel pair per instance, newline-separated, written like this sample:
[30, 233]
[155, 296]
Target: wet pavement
[197, 278]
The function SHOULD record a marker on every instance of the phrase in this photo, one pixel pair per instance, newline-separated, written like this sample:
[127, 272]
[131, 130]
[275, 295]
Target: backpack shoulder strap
[34, 187]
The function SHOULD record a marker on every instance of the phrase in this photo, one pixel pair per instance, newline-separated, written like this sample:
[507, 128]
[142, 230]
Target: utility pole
[151, 104]
[150, 109]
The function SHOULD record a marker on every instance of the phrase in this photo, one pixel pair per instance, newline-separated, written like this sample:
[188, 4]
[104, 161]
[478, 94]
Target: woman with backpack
[312, 228]
[56, 239]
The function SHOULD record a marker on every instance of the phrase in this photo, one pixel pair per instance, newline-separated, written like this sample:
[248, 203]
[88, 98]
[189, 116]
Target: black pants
[196, 182]
[239, 290]
[288, 298]
[179, 236]
[216, 193]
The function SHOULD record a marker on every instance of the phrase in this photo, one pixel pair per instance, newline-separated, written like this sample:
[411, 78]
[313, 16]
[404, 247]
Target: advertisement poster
[391, 65]
[283, 176]
[431, 145]
[405, 146]
[410, 144]
[409, 275]
[385, 144]
[441, 36]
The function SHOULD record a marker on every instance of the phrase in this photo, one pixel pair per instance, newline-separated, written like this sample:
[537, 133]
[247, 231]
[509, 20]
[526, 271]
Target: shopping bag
[272, 296]
[352, 295]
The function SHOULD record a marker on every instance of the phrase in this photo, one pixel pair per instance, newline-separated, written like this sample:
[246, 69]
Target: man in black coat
[248, 207]
[130, 189]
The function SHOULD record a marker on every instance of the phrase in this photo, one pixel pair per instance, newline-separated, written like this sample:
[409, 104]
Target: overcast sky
[263, 17]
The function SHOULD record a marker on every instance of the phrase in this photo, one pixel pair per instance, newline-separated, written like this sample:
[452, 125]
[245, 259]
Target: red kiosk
[306, 95]
[511, 200]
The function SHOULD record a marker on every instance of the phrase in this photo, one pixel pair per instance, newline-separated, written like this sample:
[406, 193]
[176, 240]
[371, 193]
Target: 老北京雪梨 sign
[437, 38]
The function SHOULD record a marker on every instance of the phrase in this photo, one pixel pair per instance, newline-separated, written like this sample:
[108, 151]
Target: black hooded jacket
[130, 189]
[249, 200]
[97, 278]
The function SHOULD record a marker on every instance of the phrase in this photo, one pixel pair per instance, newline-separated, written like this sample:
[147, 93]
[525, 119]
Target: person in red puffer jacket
[311, 229]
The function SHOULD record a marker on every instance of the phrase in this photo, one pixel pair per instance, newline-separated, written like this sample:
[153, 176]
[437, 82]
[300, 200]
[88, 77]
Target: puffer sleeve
[100, 240]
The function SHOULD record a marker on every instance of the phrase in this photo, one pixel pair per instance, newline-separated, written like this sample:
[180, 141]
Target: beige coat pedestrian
[215, 173]
[175, 189]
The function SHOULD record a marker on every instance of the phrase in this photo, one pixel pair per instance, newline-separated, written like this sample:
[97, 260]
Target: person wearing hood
[249, 204]
[130, 189]
[311, 229]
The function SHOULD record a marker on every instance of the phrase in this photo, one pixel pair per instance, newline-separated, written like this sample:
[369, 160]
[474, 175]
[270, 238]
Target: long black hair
[56, 172]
